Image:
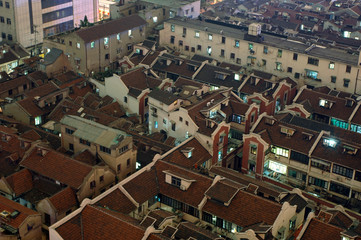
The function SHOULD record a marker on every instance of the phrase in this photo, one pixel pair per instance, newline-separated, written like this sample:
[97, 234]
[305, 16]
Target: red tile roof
[10, 206]
[64, 200]
[321, 231]
[20, 182]
[30, 107]
[31, 135]
[14, 83]
[57, 167]
[117, 201]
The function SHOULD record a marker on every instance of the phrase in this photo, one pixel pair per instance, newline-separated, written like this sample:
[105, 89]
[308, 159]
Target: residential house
[114, 147]
[12, 56]
[18, 221]
[98, 48]
[55, 62]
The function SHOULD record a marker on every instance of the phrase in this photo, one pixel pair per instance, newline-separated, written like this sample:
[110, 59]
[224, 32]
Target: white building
[306, 62]
[28, 22]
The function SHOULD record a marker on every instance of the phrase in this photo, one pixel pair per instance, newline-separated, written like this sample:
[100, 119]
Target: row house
[40, 101]
[19, 222]
[332, 107]
[114, 147]
[12, 56]
[308, 63]
[210, 115]
[220, 205]
[99, 47]
[58, 169]
[131, 89]
[304, 153]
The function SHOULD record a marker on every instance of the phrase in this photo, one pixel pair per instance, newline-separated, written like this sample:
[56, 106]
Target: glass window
[92, 44]
[106, 41]
[346, 82]
[236, 43]
[278, 66]
[317, 182]
[250, 46]
[118, 36]
[280, 151]
[295, 56]
[130, 32]
[77, 45]
[348, 69]
[172, 28]
[333, 79]
[331, 65]
[343, 171]
[313, 61]
[279, 53]
[38, 120]
[176, 181]
[210, 37]
[209, 50]
[197, 34]
[265, 49]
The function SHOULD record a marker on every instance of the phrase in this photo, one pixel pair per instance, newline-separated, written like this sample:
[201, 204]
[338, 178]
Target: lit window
[172, 28]
[156, 124]
[250, 46]
[38, 120]
[155, 19]
[197, 34]
[331, 65]
[106, 41]
[277, 167]
[209, 50]
[77, 45]
[280, 151]
[329, 142]
[236, 43]
[210, 37]
[129, 32]
[118, 36]
[92, 44]
[236, 77]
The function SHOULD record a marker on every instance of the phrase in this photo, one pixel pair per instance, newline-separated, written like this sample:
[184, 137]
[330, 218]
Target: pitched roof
[13, 83]
[30, 107]
[109, 28]
[321, 231]
[57, 166]
[64, 200]
[117, 201]
[21, 181]
[163, 96]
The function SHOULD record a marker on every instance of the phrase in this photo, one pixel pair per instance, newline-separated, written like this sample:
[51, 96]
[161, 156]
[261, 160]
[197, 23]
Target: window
[77, 45]
[176, 181]
[92, 44]
[210, 37]
[37, 120]
[172, 39]
[340, 189]
[180, 43]
[125, 99]
[7, 5]
[10, 92]
[119, 167]
[236, 43]
[106, 41]
[199, 47]
[278, 66]
[193, 49]
[172, 28]
[346, 82]
[128, 162]
[92, 184]
[223, 40]
[130, 47]
[317, 182]
[156, 124]
[232, 56]
[180, 119]
[118, 36]
[71, 147]
[222, 52]
[348, 69]
[289, 70]
[187, 11]
[1, 3]
[192, 9]
[184, 31]
[84, 142]
[8, 21]
[264, 62]
[105, 149]
[69, 131]
[343, 171]
[209, 50]
[130, 32]
[173, 126]
[155, 19]
[107, 56]
[187, 123]
[101, 178]
[313, 61]
[279, 53]
[323, 165]
[25, 86]
[280, 151]
[10, 37]
[265, 49]
[123, 149]
[2, 19]
[331, 65]
[333, 79]
[197, 34]
[295, 56]
[299, 157]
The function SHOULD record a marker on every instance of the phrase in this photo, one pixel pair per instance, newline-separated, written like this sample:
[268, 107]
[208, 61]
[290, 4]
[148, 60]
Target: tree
[85, 22]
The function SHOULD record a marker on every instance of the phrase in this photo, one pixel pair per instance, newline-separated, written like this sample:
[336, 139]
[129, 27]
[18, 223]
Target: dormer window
[220, 76]
[325, 103]
[287, 131]
[349, 102]
[329, 142]
[269, 121]
[307, 136]
[176, 181]
[179, 180]
[188, 152]
[349, 149]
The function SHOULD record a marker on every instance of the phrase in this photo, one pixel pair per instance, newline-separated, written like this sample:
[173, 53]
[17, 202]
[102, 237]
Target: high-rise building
[29, 21]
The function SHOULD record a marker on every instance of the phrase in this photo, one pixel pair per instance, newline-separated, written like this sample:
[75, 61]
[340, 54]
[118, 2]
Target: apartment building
[112, 146]
[303, 153]
[306, 62]
[98, 48]
[28, 22]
